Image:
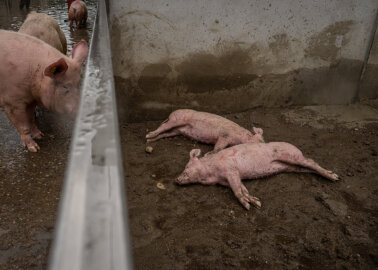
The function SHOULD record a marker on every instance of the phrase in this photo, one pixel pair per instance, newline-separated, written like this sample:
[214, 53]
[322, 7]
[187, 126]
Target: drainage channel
[92, 228]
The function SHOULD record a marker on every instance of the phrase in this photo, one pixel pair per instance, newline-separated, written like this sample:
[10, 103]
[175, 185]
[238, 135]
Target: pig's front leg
[241, 192]
[36, 133]
[22, 119]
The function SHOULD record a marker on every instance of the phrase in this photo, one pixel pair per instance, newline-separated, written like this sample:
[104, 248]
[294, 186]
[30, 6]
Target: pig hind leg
[220, 144]
[309, 164]
[241, 192]
[167, 125]
[172, 133]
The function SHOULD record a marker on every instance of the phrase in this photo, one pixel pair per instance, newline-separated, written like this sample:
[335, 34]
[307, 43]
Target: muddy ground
[305, 222]
[30, 186]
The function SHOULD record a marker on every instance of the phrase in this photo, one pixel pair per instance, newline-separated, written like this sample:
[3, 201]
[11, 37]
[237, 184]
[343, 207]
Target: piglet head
[63, 91]
[193, 170]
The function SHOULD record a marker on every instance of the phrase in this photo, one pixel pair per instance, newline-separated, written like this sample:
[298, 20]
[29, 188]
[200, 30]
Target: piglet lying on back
[205, 127]
[247, 161]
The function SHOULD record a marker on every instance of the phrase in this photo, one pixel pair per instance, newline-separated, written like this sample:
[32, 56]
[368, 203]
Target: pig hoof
[38, 135]
[33, 148]
[335, 177]
[247, 200]
[149, 135]
[255, 201]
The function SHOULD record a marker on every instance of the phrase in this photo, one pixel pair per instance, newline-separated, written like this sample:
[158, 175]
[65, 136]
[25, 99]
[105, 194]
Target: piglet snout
[182, 179]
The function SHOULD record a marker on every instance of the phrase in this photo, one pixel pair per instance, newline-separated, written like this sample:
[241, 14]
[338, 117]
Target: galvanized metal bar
[92, 229]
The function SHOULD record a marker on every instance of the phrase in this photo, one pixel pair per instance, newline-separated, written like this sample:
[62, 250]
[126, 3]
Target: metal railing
[92, 228]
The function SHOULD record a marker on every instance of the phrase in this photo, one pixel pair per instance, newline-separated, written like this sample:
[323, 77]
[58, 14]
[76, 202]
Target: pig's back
[26, 51]
[45, 28]
[207, 127]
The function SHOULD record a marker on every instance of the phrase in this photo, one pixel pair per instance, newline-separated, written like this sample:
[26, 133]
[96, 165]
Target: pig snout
[183, 179]
[72, 111]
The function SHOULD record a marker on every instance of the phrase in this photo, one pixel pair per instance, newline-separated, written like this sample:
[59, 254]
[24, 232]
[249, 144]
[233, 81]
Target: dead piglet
[78, 13]
[45, 28]
[34, 73]
[248, 161]
[205, 127]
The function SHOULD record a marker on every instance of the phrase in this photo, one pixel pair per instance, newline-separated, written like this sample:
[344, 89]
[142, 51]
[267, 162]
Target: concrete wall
[232, 55]
[369, 84]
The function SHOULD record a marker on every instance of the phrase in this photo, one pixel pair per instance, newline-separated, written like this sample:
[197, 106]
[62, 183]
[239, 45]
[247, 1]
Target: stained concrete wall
[369, 84]
[226, 55]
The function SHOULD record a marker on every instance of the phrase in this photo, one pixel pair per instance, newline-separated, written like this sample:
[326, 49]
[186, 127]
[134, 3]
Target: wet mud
[306, 221]
[30, 187]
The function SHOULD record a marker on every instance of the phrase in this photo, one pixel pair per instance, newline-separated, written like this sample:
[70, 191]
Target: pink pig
[78, 12]
[247, 161]
[34, 73]
[45, 28]
[205, 127]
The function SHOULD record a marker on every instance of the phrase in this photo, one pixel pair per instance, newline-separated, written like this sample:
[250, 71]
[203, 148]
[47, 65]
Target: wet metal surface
[91, 231]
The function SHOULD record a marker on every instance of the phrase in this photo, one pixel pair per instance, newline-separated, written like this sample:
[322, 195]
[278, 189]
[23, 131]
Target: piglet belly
[201, 135]
[259, 167]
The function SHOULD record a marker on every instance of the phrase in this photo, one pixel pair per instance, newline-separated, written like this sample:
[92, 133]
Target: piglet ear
[195, 153]
[257, 130]
[57, 68]
[80, 51]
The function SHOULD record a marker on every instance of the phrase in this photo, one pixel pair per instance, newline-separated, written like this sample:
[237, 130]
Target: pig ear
[80, 51]
[195, 153]
[257, 130]
[57, 68]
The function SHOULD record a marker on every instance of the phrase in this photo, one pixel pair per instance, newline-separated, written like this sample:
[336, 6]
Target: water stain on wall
[205, 72]
[235, 77]
[326, 44]
[298, 87]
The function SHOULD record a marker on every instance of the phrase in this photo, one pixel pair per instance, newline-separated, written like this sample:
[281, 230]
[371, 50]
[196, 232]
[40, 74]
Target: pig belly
[261, 169]
[200, 131]
[199, 136]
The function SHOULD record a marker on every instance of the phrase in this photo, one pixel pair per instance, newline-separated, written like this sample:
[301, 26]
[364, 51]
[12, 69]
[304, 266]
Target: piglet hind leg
[221, 143]
[167, 126]
[241, 192]
[311, 165]
[171, 133]
[22, 119]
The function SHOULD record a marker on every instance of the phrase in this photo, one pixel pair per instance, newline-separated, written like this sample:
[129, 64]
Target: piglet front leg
[241, 192]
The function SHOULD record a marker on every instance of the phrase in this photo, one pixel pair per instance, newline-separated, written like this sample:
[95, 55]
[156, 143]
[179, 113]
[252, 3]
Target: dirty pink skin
[205, 127]
[248, 161]
[34, 73]
[45, 28]
[78, 12]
